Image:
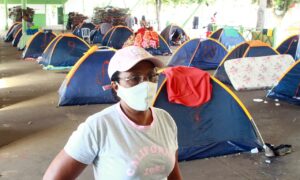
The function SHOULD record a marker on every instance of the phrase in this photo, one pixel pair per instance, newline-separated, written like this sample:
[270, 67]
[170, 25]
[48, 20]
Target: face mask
[138, 97]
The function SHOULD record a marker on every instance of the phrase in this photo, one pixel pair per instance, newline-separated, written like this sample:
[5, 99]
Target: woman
[143, 22]
[129, 140]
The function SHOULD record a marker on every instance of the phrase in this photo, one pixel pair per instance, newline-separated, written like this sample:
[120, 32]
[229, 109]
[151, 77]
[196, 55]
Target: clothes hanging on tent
[149, 40]
[146, 39]
[194, 88]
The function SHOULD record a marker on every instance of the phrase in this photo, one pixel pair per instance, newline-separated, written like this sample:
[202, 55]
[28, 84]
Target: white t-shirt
[120, 149]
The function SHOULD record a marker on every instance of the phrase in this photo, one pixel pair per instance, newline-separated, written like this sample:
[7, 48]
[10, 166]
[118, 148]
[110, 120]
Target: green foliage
[282, 5]
[269, 3]
[182, 1]
[35, 1]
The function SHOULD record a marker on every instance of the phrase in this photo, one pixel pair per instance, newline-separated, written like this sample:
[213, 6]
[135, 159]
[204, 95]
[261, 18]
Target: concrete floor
[33, 130]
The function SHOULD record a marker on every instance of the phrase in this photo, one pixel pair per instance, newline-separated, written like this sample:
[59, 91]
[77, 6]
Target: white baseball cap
[125, 58]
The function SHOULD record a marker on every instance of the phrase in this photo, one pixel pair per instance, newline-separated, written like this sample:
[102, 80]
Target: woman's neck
[142, 118]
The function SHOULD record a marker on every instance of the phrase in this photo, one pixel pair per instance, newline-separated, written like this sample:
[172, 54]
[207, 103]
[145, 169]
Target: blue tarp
[31, 31]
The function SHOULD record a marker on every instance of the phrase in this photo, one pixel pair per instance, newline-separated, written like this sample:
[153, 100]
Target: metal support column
[83, 7]
[6, 15]
[24, 23]
[45, 14]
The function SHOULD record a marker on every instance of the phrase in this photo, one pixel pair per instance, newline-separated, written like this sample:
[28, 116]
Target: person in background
[88, 20]
[143, 22]
[129, 21]
[135, 20]
[130, 139]
[210, 26]
[177, 37]
[104, 27]
[196, 22]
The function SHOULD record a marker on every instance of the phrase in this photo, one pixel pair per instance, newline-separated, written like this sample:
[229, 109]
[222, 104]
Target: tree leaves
[177, 2]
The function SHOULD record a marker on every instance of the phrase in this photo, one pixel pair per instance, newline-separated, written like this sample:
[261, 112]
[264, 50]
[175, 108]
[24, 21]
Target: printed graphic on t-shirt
[151, 160]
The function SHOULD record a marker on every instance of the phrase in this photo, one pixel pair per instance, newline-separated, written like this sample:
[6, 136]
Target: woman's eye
[136, 78]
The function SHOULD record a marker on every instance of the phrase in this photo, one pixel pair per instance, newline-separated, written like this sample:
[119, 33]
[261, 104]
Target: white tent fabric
[257, 72]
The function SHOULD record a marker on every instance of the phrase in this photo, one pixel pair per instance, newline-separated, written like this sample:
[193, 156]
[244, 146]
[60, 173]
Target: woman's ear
[114, 85]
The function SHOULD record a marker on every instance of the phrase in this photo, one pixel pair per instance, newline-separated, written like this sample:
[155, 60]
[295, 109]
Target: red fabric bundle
[188, 86]
[146, 39]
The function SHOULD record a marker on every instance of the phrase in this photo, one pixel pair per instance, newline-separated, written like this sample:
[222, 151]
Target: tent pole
[23, 40]
[45, 13]
[45, 6]
[158, 9]
[6, 15]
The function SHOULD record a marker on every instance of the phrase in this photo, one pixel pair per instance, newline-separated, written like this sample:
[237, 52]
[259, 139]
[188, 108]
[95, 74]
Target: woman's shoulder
[164, 118]
[104, 115]
[161, 113]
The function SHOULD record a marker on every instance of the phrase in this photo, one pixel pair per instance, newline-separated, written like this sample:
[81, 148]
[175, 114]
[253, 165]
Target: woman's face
[143, 71]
